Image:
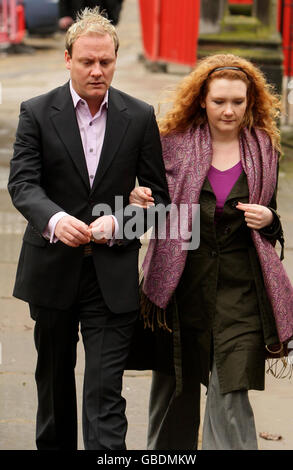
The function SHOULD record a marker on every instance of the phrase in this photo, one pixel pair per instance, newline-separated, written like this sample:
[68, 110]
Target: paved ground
[22, 77]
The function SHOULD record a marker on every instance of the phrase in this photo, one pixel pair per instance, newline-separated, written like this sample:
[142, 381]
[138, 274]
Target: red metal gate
[12, 22]
[287, 35]
[170, 30]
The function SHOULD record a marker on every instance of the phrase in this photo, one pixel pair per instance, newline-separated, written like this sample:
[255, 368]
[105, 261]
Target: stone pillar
[267, 13]
[273, 12]
[211, 13]
[253, 36]
[262, 11]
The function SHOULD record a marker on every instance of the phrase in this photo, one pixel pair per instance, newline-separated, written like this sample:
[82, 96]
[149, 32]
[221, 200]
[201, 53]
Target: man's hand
[65, 22]
[142, 197]
[256, 216]
[102, 229]
[72, 232]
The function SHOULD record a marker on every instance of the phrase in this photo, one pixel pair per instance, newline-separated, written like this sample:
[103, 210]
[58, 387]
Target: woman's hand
[142, 197]
[102, 229]
[256, 216]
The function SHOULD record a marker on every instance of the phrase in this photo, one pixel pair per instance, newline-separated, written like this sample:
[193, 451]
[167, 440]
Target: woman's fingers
[256, 216]
[141, 196]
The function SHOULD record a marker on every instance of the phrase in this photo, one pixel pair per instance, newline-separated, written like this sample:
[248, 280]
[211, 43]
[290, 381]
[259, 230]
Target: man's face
[92, 65]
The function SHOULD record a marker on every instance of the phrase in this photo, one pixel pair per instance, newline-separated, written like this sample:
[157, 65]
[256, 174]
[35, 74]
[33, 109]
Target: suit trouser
[106, 338]
[174, 421]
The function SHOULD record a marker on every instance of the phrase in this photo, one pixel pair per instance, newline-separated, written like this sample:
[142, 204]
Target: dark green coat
[220, 308]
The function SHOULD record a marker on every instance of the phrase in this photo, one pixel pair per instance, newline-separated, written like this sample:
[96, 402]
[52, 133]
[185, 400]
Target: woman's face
[225, 105]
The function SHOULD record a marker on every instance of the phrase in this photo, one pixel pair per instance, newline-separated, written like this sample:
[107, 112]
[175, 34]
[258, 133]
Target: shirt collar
[77, 99]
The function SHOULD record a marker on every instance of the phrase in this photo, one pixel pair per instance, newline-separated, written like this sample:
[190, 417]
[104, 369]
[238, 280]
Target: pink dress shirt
[92, 132]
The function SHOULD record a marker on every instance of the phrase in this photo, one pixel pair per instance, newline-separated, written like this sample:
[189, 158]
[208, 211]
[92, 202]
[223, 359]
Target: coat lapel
[65, 123]
[116, 126]
[240, 188]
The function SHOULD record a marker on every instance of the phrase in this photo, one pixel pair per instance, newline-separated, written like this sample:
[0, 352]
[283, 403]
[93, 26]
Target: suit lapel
[65, 123]
[116, 126]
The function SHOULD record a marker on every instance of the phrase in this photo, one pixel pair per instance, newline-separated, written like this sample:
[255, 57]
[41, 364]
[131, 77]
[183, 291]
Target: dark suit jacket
[71, 7]
[49, 174]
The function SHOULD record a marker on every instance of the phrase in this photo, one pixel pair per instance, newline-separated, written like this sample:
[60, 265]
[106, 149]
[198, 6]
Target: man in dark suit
[69, 8]
[77, 146]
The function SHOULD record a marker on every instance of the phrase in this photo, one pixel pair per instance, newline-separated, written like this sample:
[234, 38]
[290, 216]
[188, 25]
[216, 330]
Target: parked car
[41, 16]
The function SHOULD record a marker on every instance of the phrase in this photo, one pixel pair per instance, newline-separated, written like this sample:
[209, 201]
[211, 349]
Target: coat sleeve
[151, 169]
[150, 173]
[24, 184]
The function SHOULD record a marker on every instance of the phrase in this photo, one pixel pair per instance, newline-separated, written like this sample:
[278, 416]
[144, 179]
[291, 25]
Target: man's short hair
[90, 21]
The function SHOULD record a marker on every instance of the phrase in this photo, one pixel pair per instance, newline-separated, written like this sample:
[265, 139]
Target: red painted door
[170, 30]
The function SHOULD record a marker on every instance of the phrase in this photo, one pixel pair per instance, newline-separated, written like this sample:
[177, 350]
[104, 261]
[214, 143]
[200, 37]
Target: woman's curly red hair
[263, 104]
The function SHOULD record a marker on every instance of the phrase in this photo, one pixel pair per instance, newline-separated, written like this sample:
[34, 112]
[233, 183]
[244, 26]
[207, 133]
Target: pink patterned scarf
[187, 158]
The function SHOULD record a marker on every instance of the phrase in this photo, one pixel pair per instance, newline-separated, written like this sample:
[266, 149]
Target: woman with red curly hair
[229, 301]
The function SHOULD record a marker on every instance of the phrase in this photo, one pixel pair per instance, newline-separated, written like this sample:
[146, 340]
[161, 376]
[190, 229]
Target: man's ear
[67, 58]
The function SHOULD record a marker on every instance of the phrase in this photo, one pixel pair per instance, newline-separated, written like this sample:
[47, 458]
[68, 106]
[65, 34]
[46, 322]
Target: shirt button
[90, 123]
[91, 177]
[91, 150]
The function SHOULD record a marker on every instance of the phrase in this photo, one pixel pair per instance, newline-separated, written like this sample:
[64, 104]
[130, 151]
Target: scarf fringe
[151, 314]
[279, 368]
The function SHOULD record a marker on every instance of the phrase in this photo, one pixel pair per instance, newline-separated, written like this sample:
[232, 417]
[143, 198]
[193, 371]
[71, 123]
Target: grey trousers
[228, 421]
[174, 421]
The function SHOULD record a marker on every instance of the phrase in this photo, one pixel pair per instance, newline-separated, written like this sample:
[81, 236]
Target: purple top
[222, 182]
